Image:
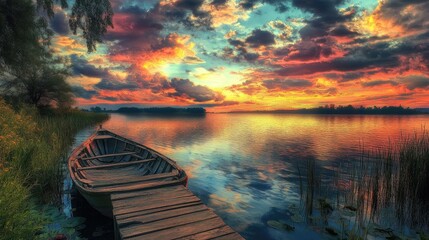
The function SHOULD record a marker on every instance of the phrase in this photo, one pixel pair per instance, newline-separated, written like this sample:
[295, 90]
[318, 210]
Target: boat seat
[103, 137]
[128, 180]
[110, 155]
[120, 164]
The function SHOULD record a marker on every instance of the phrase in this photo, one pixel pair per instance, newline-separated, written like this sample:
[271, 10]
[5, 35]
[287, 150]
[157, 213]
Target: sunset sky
[254, 54]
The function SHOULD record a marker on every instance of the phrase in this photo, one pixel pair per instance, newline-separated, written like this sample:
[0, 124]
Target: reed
[396, 177]
[387, 188]
[32, 148]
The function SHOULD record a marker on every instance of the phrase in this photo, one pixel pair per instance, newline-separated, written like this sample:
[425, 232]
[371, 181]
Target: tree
[20, 33]
[23, 31]
[28, 70]
[40, 83]
[92, 17]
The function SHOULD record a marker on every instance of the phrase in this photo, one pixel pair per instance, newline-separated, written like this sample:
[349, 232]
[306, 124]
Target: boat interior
[109, 162]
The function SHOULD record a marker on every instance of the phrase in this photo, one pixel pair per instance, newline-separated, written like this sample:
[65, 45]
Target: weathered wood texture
[166, 213]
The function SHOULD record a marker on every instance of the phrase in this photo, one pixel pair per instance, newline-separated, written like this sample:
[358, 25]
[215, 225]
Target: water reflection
[244, 166]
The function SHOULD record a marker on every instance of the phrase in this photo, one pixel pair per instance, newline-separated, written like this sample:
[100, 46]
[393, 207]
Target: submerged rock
[325, 207]
[331, 231]
[351, 208]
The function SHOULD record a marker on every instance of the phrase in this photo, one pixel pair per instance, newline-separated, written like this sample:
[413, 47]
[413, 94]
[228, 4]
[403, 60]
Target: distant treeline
[331, 109]
[163, 111]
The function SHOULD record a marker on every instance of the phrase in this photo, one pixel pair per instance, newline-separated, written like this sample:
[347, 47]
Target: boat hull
[96, 180]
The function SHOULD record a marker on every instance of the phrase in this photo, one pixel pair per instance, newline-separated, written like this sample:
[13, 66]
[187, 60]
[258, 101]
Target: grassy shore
[32, 148]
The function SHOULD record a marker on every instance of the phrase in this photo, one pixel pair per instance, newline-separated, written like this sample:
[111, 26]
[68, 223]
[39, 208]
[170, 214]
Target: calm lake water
[244, 166]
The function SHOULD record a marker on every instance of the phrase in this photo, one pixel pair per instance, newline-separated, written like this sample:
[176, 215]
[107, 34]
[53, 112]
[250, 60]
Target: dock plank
[150, 192]
[171, 212]
[131, 201]
[154, 205]
[157, 210]
[212, 233]
[162, 215]
[184, 230]
[135, 230]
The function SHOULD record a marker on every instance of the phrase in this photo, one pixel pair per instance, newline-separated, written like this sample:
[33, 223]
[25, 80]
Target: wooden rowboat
[107, 163]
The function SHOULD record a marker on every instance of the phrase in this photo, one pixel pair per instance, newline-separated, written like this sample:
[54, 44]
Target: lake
[247, 166]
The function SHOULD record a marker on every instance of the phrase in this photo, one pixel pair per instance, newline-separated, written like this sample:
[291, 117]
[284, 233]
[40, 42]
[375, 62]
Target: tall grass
[32, 147]
[396, 177]
[386, 188]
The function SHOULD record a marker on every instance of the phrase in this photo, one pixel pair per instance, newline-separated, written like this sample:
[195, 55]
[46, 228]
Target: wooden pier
[171, 212]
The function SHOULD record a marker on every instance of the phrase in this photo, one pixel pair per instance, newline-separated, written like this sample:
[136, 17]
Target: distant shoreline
[166, 111]
[347, 110]
[312, 113]
[327, 110]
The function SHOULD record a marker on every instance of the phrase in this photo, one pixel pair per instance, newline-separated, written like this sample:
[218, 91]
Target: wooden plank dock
[171, 212]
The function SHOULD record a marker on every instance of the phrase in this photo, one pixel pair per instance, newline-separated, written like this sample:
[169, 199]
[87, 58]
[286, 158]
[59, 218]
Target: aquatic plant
[384, 189]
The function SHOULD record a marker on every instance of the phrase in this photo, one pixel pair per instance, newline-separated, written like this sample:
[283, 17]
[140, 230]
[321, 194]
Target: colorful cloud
[254, 54]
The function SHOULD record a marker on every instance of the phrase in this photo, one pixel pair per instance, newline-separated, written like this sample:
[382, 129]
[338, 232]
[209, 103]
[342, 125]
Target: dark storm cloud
[416, 81]
[314, 30]
[241, 52]
[81, 92]
[325, 10]
[260, 38]
[186, 88]
[280, 5]
[346, 77]
[187, 12]
[60, 23]
[281, 51]
[308, 50]
[379, 82]
[156, 83]
[325, 17]
[342, 31]
[236, 43]
[119, 97]
[112, 84]
[284, 84]
[351, 76]
[192, 5]
[250, 57]
[379, 55]
[80, 66]
[413, 19]
[219, 2]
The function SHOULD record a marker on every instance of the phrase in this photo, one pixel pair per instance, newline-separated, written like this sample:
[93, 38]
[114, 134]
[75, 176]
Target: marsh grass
[387, 188]
[397, 178]
[32, 148]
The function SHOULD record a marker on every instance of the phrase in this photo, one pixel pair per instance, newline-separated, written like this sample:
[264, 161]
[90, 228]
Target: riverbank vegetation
[33, 146]
[37, 122]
